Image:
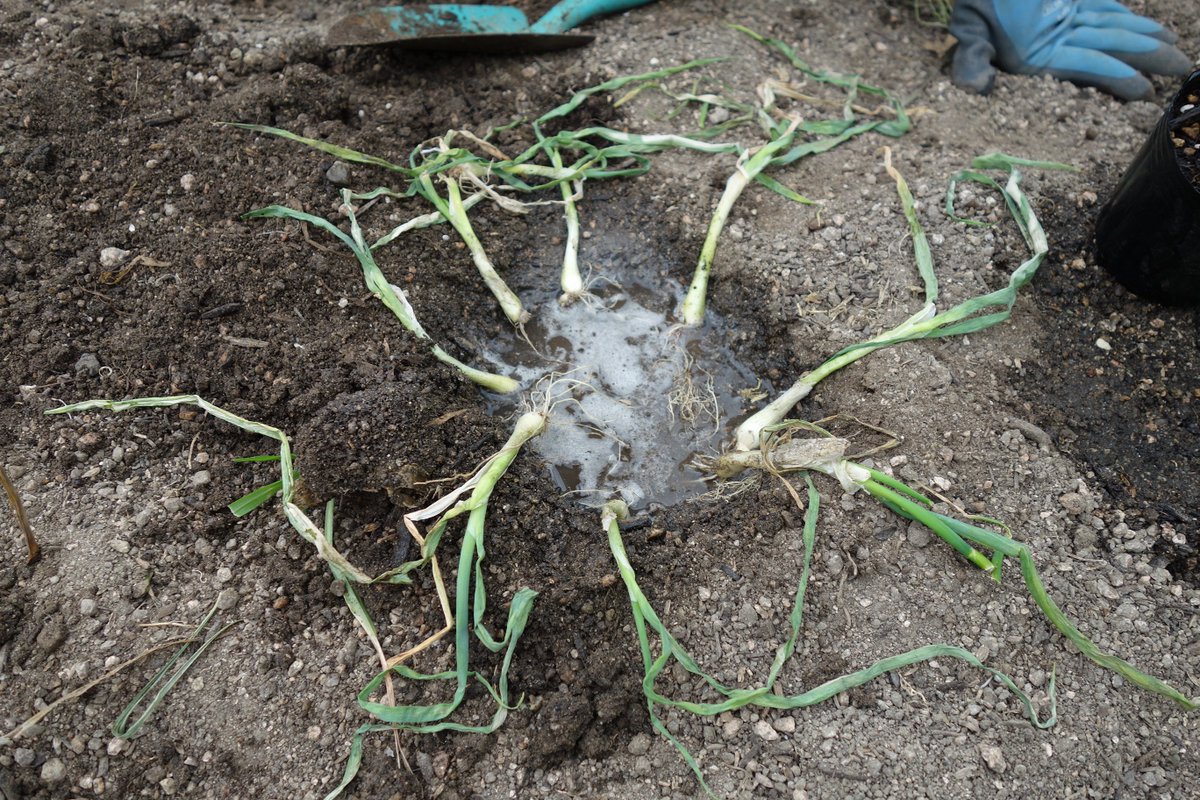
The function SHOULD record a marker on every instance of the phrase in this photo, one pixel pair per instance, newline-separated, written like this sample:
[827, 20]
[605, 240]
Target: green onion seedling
[650, 627]
[750, 165]
[452, 208]
[299, 521]
[968, 316]
[470, 606]
[781, 453]
[167, 676]
[391, 295]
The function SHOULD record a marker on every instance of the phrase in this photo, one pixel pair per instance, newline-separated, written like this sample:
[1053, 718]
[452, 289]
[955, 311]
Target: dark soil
[109, 116]
[1129, 410]
[1185, 132]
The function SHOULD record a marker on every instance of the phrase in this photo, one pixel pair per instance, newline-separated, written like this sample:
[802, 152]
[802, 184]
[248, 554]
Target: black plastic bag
[1148, 233]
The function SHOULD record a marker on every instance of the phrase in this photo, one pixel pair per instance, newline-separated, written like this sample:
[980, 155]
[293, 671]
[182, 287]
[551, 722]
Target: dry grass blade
[87, 687]
[14, 500]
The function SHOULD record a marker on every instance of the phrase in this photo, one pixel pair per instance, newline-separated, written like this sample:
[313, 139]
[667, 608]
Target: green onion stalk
[389, 294]
[750, 165]
[969, 316]
[300, 521]
[649, 626]
[782, 454]
[571, 279]
[417, 222]
[470, 606]
[748, 433]
[452, 208]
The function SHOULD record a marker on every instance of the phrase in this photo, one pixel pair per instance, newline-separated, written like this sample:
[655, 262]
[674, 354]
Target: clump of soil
[1185, 135]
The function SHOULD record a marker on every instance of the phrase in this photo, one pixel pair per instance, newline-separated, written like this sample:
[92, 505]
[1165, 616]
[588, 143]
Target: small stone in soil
[765, 731]
[40, 158]
[87, 364]
[639, 745]
[785, 724]
[918, 535]
[113, 257]
[52, 635]
[54, 770]
[1075, 503]
[338, 174]
[994, 757]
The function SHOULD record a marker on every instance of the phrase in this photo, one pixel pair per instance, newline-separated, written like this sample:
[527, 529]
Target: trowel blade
[488, 29]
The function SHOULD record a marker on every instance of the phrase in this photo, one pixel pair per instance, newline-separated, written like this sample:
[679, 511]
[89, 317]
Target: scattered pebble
[227, 599]
[187, 181]
[1103, 345]
[338, 174]
[24, 757]
[1030, 431]
[993, 757]
[111, 257]
[87, 606]
[120, 545]
[224, 575]
[54, 770]
[41, 158]
[202, 478]
[88, 365]
[639, 745]
[52, 635]
[764, 731]
[1127, 610]
[918, 535]
[1075, 503]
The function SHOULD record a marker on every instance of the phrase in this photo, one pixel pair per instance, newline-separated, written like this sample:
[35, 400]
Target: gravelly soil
[1075, 423]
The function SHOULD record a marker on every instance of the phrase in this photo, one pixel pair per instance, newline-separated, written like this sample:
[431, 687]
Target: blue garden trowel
[494, 29]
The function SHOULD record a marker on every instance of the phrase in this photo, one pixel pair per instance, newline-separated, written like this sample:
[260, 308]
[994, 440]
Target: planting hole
[639, 398]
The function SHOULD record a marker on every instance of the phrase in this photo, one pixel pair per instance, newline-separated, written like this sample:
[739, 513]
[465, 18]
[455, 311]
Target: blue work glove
[1090, 42]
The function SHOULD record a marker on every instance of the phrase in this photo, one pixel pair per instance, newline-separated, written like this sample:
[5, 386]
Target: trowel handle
[569, 13]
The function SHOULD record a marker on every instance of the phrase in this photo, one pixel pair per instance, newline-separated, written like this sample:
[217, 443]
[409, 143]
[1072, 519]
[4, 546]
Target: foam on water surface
[614, 430]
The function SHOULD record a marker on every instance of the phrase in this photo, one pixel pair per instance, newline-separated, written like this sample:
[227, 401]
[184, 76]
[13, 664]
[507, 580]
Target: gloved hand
[1090, 42]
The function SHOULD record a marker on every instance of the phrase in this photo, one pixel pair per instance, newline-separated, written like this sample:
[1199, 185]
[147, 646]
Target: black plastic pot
[1148, 233]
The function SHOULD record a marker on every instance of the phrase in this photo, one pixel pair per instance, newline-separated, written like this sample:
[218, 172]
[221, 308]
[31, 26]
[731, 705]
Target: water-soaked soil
[1089, 450]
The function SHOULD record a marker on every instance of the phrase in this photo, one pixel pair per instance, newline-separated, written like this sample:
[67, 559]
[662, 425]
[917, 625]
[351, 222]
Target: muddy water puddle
[635, 397]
